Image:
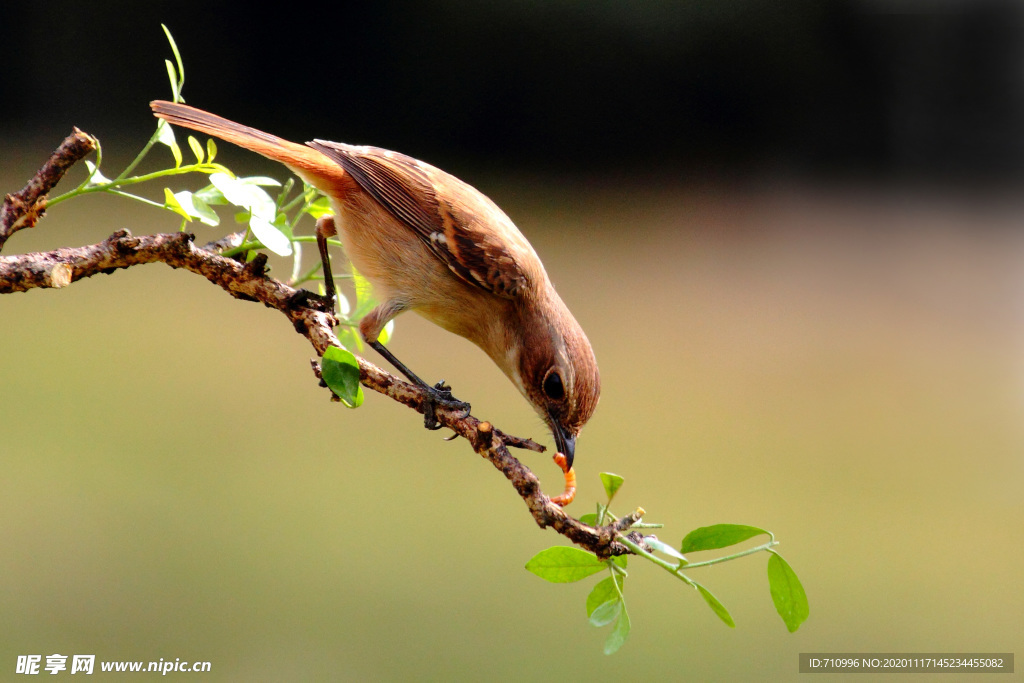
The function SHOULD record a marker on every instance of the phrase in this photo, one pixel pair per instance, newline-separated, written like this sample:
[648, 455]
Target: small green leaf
[604, 591]
[349, 338]
[246, 195]
[619, 634]
[589, 518]
[211, 195]
[271, 235]
[164, 133]
[563, 564]
[95, 176]
[665, 548]
[176, 153]
[320, 207]
[172, 76]
[260, 180]
[344, 307]
[719, 536]
[196, 207]
[611, 482]
[176, 83]
[606, 613]
[787, 592]
[717, 607]
[385, 334]
[620, 560]
[340, 370]
[197, 149]
[171, 202]
[204, 212]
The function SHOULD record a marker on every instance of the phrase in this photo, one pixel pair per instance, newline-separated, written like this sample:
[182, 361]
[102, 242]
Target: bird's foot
[440, 395]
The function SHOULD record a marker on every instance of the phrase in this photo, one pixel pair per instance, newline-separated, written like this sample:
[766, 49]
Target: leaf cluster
[606, 602]
[271, 221]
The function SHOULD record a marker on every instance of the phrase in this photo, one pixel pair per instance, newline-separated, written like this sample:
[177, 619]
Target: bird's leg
[373, 323]
[324, 229]
[439, 394]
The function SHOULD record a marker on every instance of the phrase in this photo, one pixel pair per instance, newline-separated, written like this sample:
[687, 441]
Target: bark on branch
[306, 311]
[23, 209]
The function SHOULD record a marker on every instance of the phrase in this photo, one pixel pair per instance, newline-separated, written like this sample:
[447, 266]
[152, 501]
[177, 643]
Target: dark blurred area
[898, 90]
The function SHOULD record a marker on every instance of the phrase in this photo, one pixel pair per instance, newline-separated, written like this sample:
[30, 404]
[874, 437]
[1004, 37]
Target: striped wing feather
[455, 221]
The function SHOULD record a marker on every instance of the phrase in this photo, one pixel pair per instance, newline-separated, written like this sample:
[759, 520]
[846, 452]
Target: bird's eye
[553, 386]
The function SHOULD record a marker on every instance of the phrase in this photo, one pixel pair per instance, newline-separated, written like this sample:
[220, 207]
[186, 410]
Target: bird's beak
[565, 442]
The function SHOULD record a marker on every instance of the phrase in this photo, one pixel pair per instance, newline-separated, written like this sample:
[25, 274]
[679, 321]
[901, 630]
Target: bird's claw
[441, 395]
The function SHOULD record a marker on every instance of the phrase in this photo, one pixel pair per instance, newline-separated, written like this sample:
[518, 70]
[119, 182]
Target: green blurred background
[808, 307]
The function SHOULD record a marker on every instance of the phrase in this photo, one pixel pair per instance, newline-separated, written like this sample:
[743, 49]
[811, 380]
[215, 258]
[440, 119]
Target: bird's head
[558, 375]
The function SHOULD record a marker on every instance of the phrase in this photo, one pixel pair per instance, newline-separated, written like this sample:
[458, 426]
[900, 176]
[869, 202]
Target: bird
[430, 243]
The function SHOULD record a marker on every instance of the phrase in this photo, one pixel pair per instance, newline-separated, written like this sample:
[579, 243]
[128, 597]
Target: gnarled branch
[24, 208]
[307, 312]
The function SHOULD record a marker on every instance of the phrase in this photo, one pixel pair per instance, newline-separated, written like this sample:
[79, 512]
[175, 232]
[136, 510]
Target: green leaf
[620, 560]
[165, 136]
[320, 207]
[211, 195]
[204, 212]
[606, 613]
[95, 176]
[619, 634]
[176, 83]
[271, 235]
[172, 76]
[260, 180]
[604, 591]
[196, 207]
[717, 607]
[247, 195]
[787, 592]
[663, 547]
[350, 338]
[344, 307]
[164, 133]
[197, 149]
[340, 370]
[267, 226]
[563, 564]
[589, 518]
[611, 482]
[211, 149]
[171, 202]
[719, 536]
[387, 332]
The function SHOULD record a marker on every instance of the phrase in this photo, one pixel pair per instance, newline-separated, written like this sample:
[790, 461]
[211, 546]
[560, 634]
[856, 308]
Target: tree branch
[309, 315]
[24, 209]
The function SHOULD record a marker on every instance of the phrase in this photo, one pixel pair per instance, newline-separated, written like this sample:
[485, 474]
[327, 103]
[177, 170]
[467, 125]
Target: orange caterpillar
[570, 482]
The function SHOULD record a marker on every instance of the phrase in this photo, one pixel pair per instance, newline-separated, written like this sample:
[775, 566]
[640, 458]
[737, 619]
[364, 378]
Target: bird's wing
[463, 228]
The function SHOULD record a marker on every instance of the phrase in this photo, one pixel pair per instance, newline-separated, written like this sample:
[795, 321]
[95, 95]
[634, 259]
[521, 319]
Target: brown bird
[430, 243]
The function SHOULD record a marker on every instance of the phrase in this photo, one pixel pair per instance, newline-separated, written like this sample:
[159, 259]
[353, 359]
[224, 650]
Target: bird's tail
[309, 164]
